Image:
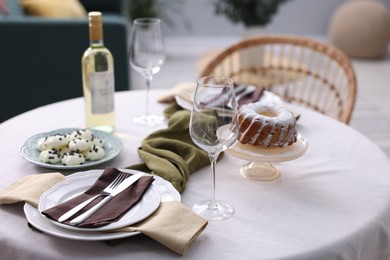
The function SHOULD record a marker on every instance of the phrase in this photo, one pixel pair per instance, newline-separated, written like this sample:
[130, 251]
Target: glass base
[260, 171]
[149, 120]
[107, 129]
[213, 210]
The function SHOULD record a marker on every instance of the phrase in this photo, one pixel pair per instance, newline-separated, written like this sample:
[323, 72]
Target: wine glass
[147, 55]
[213, 127]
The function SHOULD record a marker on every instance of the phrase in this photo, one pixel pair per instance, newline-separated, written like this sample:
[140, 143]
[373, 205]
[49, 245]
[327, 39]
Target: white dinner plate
[35, 218]
[30, 152]
[255, 153]
[76, 185]
[266, 96]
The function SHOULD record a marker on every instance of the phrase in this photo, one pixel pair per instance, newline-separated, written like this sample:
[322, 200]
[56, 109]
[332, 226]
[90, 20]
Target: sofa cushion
[10, 8]
[54, 8]
[4, 7]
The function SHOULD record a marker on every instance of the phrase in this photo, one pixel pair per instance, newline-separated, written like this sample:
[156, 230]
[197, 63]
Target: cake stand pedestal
[260, 166]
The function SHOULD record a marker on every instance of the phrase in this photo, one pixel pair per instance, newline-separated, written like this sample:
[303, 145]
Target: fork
[107, 191]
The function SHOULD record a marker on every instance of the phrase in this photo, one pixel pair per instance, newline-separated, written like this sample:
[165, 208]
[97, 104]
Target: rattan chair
[300, 70]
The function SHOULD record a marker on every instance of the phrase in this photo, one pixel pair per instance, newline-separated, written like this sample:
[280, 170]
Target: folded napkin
[172, 224]
[170, 153]
[186, 90]
[29, 188]
[183, 89]
[110, 212]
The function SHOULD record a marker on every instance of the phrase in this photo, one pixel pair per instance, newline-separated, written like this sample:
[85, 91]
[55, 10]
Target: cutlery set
[129, 197]
[119, 184]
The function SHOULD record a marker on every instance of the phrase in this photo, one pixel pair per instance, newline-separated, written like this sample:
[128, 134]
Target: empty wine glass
[213, 127]
[147, 55]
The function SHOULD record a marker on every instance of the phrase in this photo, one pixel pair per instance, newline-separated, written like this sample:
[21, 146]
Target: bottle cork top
[95, 18]
[95, 26]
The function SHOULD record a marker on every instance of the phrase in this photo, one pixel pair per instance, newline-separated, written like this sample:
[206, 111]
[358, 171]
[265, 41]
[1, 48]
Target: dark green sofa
[41, 58]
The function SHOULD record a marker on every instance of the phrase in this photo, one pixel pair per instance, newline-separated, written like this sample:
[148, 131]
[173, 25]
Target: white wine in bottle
[98, 79]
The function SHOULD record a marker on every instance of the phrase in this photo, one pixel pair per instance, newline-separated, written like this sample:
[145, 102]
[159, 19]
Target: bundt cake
[267, 125]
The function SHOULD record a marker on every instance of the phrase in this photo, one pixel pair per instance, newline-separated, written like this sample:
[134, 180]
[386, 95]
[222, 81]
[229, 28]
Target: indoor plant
[250, 13]
[162, 9]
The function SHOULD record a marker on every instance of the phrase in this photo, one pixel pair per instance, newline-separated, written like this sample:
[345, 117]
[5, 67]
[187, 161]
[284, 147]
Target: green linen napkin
[170, 153]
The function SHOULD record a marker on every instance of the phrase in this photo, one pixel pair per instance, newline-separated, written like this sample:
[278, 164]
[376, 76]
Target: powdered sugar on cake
[266, 124]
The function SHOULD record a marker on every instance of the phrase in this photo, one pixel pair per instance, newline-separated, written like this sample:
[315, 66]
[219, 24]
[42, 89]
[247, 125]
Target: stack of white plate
[79, 182]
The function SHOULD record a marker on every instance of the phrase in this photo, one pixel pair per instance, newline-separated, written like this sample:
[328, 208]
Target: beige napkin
[173, 224]
[184, 90]
[29, 188]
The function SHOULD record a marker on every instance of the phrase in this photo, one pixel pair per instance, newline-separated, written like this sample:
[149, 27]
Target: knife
[125, 184]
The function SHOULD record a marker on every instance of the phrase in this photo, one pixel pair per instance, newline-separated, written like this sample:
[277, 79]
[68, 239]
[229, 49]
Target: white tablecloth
[332, 203]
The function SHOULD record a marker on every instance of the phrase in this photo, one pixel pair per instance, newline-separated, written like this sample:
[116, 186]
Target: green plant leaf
[248, 12]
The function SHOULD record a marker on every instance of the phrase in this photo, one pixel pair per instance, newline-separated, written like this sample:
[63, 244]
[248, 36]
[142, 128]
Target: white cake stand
[260, 167]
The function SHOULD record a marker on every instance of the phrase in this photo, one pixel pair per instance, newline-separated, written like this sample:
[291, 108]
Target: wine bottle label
[102, 92]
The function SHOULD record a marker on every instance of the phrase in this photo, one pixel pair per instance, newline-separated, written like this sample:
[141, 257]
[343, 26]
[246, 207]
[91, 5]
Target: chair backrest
[300, 70]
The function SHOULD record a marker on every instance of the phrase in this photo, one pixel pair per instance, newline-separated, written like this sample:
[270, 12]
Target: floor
[372, 110]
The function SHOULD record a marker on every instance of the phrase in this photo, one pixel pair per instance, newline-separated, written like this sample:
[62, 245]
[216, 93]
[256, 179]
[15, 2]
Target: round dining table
[331, 203]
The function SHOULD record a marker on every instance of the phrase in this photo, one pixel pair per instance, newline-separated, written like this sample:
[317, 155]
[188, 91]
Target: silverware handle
[76, 209]
[89, 212]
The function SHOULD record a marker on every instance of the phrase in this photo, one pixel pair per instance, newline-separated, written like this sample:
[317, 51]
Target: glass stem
[213, 161]
[148, 81]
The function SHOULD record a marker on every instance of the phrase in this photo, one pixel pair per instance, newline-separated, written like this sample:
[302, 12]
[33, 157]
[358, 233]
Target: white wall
[184, 48]
[293, 17]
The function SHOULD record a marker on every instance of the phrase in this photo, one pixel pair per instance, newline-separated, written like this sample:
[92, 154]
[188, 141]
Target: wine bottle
[98, 79]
